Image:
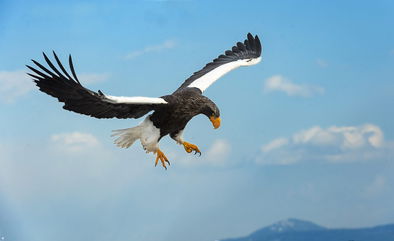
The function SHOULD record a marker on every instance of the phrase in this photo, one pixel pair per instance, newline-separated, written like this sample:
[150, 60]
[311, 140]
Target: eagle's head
[212, 112]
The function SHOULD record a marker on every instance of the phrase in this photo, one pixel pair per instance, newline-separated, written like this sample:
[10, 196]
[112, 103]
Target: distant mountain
[298, 230]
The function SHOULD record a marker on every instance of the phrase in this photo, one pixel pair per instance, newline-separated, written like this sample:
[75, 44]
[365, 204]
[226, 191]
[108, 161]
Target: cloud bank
[14, 84]
[335, 144]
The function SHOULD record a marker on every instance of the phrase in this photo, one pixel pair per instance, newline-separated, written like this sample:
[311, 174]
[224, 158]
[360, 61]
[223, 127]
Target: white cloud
[168, 44]
[275, 144]
[75, 141]
[92, 78]
[332, 144]
[14, 84]
[321, 63]
[218, 152]
[280, 83]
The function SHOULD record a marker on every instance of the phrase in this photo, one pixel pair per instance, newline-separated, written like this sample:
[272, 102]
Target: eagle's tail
[127, 136]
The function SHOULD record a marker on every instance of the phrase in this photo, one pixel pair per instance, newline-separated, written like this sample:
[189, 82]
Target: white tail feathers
[127, 136]
[146, 131]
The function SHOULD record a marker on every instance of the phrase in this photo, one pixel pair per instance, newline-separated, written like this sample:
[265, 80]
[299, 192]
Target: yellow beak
[215, 121]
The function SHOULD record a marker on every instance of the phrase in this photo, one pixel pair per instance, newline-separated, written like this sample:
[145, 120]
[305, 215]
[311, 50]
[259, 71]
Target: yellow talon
[191, 147]
[160, 155]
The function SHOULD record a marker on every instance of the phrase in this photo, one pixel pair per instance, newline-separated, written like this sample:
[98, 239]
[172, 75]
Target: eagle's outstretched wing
[243, 54]
[77, 98]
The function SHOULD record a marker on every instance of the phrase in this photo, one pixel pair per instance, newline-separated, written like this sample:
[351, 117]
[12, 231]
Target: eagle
[171, 113]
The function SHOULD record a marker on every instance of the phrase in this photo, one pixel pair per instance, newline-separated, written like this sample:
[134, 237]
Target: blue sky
[307, 133]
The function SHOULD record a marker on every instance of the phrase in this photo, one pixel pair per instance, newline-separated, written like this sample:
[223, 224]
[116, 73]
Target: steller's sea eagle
[171, 112]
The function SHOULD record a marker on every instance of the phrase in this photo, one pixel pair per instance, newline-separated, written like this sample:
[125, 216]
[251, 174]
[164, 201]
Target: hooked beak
[215, 121]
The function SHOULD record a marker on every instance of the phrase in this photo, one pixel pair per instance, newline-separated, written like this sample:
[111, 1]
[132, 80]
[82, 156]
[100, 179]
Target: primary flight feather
[171, 112]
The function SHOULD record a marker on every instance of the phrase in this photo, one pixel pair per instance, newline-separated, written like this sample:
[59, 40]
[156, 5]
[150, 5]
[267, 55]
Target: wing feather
[79, 99]
[243, 54]
[61, 65]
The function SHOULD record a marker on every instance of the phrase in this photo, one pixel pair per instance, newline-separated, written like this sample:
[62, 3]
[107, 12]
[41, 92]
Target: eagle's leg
[191, 147]
[160, 156]
[177, 136]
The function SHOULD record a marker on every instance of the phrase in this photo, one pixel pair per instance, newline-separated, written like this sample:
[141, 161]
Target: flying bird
[171, 113]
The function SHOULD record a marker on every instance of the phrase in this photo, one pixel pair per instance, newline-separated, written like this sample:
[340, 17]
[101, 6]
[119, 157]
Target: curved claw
[191, 147]
[160, 156]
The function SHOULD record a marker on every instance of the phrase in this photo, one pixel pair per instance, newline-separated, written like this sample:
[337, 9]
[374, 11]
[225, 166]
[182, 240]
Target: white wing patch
[209, 78]
[136, 100]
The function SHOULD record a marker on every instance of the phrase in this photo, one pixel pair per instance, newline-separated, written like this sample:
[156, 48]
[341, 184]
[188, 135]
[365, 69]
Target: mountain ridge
[293, 229]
